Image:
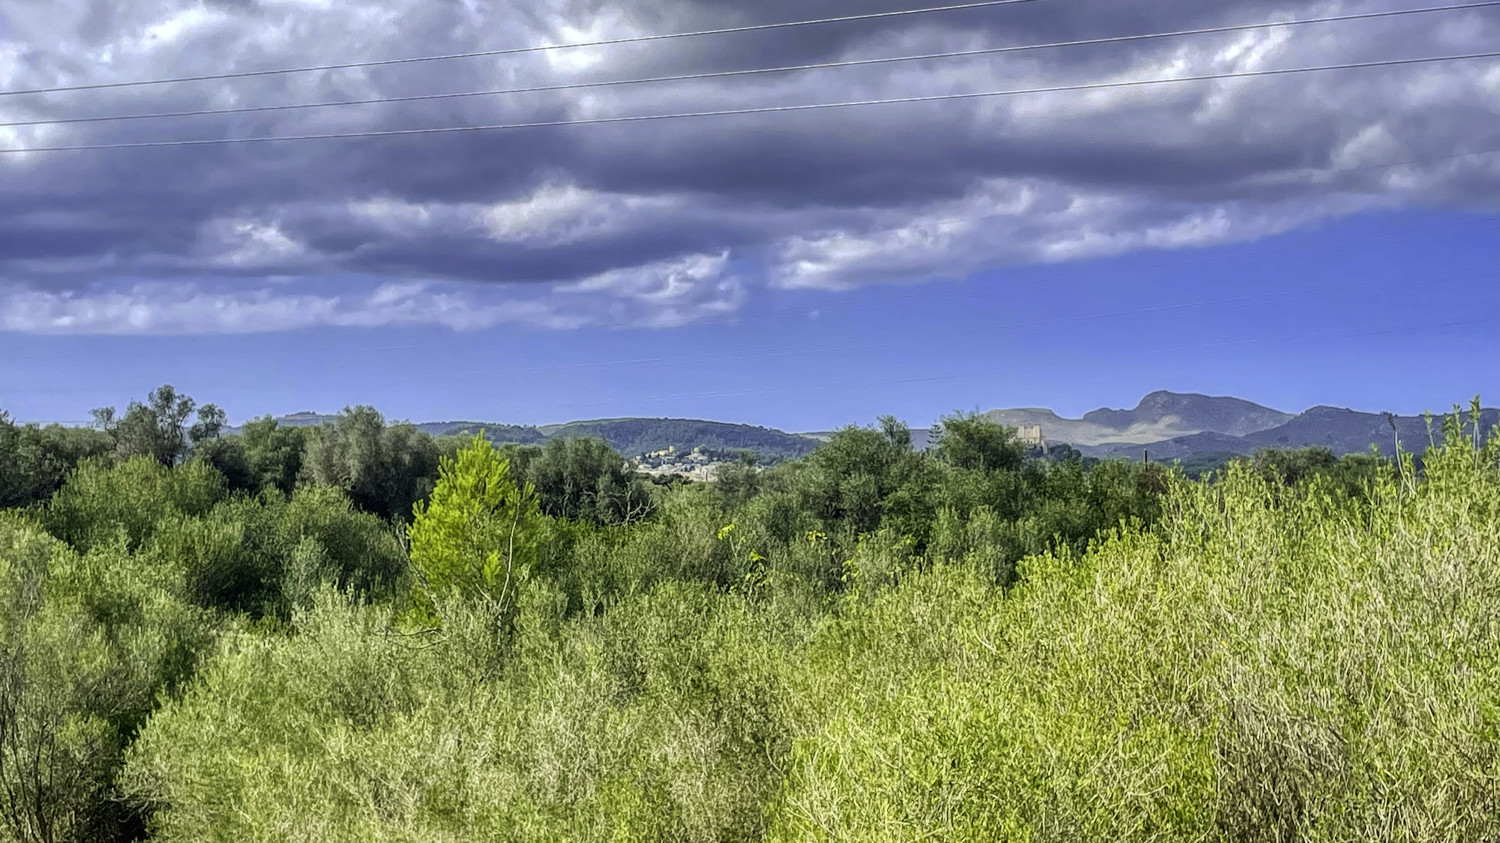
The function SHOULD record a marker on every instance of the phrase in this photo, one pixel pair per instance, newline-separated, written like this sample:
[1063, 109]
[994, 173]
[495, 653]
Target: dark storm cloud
[654, 221]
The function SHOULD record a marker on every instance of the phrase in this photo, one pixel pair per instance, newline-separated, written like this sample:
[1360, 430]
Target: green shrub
[101, 503]
[261, 555]
[87, 646]
[660, 720]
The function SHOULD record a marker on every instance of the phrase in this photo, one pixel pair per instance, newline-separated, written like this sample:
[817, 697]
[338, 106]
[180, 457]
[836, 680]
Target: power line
[726, 74]
[777, 109]
[511, 51]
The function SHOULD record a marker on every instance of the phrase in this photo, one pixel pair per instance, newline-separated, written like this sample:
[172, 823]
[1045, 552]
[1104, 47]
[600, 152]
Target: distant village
[698, 465]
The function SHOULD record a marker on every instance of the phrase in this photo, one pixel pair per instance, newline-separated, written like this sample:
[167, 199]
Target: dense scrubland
[358, 632]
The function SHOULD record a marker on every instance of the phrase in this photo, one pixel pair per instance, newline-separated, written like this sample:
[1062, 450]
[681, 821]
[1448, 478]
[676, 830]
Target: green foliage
[1199, 466]
[223, 553]
[864, 481]
[273, 453]
[228, 457]
[158, 429]
[100, 503]
[34, 461]
[582, 479]
[874, 643]
[87, 646]
[384, 469]
[661, 720]
[970, 441]
[861, 477]
[265, 556]
[1350, 475]
[361, 553]
[739, 482]
[477, 537]
[1258, 670]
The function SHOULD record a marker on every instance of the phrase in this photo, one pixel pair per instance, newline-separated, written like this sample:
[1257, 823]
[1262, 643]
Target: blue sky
[1354, 313]
[1295, 238]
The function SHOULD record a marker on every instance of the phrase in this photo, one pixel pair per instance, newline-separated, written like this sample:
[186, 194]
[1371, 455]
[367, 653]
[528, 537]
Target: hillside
[631, 437]
[1171, 426]
[1348, 431]
[512, 434]
[1200, 413]
[1180, 447]
[1160, 416]
[1342, 431]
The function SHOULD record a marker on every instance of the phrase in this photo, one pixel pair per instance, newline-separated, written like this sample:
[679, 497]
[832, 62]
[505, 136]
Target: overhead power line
[762, 71]
[777, 109]
[511, 51]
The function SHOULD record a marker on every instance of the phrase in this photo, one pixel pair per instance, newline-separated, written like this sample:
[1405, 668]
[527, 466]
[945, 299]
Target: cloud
[665, 223]
[663, 295]
[177, 309]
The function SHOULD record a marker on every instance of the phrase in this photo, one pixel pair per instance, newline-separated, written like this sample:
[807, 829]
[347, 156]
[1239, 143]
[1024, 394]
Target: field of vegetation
[361, 633]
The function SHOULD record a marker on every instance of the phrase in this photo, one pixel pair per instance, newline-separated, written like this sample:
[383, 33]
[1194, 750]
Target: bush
[661, 720]
[34, 461]
[1052, 652]
[101, 503]
[262, 555]
[87, 647]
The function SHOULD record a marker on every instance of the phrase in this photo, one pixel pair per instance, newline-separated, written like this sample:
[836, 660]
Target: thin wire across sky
[709, 112]
[758, 71]
[512, 51]
[775, 109]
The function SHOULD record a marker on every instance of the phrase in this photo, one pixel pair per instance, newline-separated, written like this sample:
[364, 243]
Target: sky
[1308, 239]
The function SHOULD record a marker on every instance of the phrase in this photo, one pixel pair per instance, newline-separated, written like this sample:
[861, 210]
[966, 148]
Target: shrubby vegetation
[34, 461]
[360, 632]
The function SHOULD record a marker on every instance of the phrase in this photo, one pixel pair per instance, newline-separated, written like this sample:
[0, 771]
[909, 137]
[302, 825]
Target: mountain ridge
[1167, 425]
[630, 436]
[1221, 430]
[1159, 416]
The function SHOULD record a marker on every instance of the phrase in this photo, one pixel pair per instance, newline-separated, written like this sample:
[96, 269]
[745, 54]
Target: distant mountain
[631, 437]
[1180, 447]
[1342, 431]
[1348, 431]
[306, 418]
[1201, 413]
[500, 434]
[1168, 425]
[1159, 416]
[641, 436]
